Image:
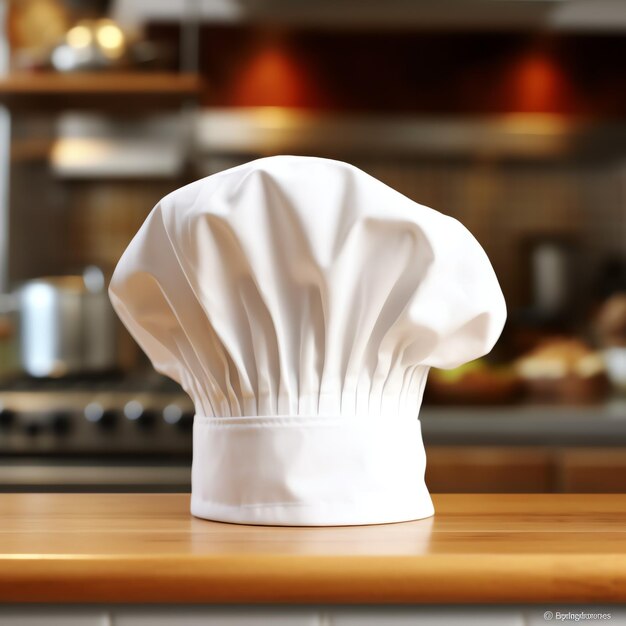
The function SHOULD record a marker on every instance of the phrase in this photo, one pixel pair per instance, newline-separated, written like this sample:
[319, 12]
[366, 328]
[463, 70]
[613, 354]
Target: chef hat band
[300, 303]
[308, 470]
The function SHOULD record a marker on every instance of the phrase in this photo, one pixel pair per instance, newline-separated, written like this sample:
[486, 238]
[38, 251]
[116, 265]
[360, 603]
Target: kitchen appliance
[551, 261]
[104, 416]
[95, 433]
[65, 325]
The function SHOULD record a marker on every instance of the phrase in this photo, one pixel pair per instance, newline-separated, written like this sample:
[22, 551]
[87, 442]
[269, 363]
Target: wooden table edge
[306, 579]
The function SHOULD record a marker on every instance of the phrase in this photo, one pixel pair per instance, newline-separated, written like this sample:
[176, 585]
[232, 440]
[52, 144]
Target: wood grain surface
[148, 548]
[103, 83]
[112, 91]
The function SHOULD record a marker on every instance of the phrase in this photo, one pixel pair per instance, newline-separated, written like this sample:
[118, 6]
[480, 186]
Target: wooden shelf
[47, 90]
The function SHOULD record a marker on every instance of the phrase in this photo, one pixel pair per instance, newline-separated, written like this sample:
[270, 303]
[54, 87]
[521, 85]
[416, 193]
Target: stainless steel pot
[66, 325]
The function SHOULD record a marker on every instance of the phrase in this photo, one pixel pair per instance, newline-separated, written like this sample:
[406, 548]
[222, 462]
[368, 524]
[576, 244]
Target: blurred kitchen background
[509, 115]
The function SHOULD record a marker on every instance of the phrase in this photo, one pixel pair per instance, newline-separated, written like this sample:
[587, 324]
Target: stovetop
[110, 381]
[113, 414]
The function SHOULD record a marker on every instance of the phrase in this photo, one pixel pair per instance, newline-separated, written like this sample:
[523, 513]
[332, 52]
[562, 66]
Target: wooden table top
[148, 548]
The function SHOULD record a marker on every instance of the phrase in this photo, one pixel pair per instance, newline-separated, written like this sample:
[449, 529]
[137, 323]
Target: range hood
[563, 15]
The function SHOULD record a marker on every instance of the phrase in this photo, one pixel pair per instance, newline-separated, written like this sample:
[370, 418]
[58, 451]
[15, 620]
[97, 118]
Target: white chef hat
[300, 303]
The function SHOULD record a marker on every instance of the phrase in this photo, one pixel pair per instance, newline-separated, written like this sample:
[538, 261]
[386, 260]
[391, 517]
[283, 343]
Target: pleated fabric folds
[300, 303]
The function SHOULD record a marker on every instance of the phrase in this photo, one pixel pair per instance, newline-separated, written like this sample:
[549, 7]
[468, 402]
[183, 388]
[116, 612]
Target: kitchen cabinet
[483, 469]
[233, 616]
[526, 448]
[53, 616]
[281, 616]
[595, 470]
[520, 469]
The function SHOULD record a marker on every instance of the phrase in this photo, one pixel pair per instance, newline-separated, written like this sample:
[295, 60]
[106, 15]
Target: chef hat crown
[300, 303]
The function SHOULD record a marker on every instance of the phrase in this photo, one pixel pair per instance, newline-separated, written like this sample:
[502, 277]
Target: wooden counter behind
[147, 548]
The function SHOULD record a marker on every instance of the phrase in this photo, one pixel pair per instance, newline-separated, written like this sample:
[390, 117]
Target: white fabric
[309, 293]
[308, 470]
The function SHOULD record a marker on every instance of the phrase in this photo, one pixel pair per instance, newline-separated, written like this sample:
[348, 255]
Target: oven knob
[96, 414]
[7, 418]
[61, 423]
[175, 415]
[136, 412]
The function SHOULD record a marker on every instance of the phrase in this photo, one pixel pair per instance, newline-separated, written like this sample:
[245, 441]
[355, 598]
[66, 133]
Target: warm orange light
[538, 84]
[272, 77]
